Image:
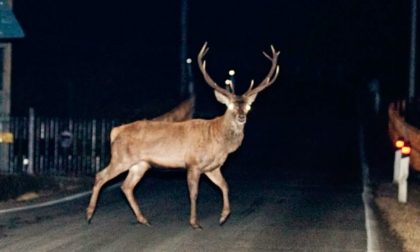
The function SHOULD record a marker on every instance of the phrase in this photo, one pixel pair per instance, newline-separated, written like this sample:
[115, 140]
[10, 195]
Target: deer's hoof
[144, 221]
[196, 226]
[223, 218]
[147, 224]
[89, 214]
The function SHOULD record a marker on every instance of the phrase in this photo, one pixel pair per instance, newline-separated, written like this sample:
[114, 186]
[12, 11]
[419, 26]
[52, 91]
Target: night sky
[121, 59]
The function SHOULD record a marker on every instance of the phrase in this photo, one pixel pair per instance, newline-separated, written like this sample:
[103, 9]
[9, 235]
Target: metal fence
[55, 146]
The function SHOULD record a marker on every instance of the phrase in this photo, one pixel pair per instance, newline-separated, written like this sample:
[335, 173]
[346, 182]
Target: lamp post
[190, 77]
[412, 67]
[184, 49]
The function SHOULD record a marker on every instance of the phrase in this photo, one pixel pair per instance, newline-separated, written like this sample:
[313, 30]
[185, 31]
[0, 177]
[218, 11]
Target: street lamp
[230, 82]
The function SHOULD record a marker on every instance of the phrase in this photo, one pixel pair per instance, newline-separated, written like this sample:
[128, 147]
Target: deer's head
[239, 105]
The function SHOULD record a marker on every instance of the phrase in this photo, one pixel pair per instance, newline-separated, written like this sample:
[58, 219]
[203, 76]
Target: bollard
[403, 170]
[397, 165]
[402, 179]
[398, 144]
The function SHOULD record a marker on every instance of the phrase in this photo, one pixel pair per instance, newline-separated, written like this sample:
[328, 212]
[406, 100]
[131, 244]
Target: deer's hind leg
[135, 174]
[108, 173]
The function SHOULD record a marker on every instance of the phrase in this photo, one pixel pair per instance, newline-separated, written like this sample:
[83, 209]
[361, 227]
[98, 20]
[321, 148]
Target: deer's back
[169, 144]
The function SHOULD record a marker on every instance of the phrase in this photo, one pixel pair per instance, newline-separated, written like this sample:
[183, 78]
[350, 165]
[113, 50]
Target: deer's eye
[231, 106]
[247, 107]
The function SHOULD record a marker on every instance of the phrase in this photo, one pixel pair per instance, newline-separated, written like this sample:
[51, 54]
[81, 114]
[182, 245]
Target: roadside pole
[402, 179]
[31, 141]
[401, 168]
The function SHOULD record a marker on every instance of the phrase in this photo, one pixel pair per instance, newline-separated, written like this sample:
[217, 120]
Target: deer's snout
[241, 118]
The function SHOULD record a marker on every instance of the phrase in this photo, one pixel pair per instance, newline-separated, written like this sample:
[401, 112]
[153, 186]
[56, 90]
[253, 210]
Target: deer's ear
[251, 99]
[222, 98]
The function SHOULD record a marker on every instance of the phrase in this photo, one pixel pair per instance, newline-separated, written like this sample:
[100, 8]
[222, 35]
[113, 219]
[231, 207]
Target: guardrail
[406, 139]
[399, 129]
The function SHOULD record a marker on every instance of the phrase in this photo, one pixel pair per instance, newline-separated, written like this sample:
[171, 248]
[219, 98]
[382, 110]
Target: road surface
[266, 216]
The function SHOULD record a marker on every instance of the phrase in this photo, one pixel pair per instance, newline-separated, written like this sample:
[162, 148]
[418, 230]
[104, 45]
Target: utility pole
[184, 49]
[412, 66]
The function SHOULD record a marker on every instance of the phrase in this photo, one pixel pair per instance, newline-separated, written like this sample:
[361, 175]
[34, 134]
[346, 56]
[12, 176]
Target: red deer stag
[201, 146]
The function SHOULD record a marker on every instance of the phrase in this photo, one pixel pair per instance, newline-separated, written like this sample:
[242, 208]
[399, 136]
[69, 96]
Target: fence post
[31, 139]
[402, 179]
[4, 144]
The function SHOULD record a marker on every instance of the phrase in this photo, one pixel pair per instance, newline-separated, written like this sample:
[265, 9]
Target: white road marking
[371, 222]
[52, 202]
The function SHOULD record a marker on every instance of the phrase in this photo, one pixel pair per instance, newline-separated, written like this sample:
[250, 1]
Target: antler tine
[271, 76]
[276, 73]
[267, 56]
[202, 66]
[250, 86]
[203, 50]
[273, 51]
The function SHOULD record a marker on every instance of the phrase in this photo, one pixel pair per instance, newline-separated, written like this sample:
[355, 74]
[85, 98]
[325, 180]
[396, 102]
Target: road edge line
[371, 223]
[53, 202]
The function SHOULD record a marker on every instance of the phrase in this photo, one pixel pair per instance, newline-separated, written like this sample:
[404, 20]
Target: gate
[55, 146]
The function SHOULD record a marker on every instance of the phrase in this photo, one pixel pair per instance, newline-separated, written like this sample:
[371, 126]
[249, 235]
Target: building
[9, 30]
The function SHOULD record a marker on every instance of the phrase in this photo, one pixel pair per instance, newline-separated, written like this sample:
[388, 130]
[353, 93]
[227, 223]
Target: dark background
[118, 59]
[121, 60]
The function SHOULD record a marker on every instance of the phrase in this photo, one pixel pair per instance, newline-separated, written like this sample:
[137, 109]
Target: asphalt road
[266, 216]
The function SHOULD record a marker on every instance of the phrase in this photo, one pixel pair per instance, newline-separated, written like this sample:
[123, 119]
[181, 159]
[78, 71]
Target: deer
[201, 146]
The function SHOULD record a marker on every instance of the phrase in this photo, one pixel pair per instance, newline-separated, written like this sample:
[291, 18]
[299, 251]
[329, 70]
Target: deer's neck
[231, 133]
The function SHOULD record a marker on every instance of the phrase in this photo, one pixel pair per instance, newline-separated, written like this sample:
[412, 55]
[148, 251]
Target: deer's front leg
[193, 178]
[135, 174]
[217, 178]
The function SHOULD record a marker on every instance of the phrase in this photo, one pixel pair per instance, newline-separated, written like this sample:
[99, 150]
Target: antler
[267, 81]
[209, 80]
[271, 76]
